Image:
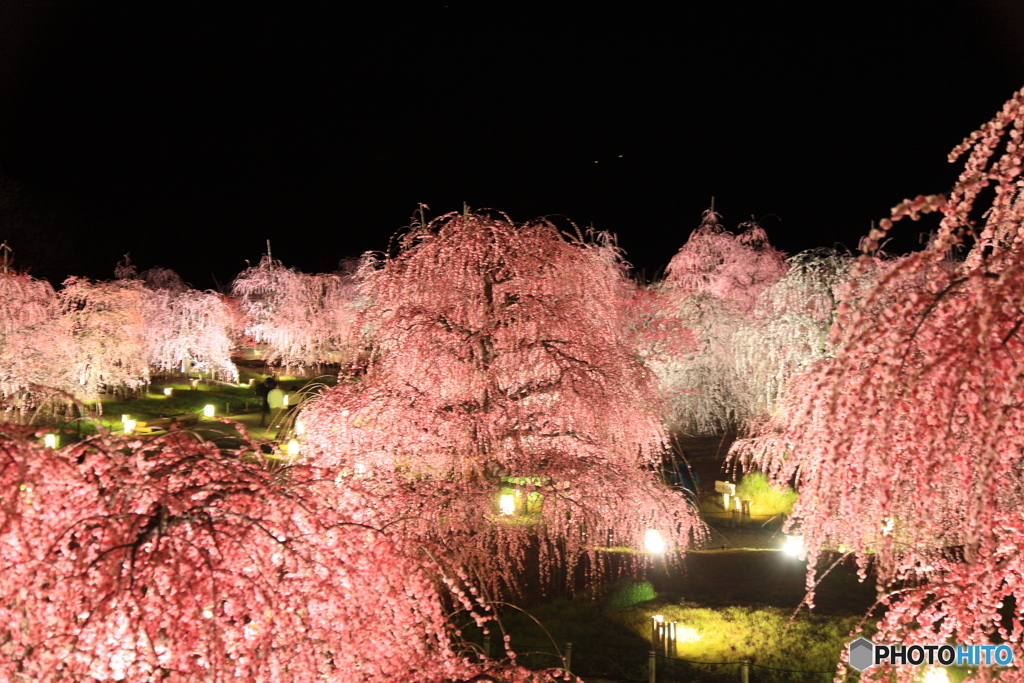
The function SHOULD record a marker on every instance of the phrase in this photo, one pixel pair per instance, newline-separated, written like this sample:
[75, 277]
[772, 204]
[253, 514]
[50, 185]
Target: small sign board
[725, 487]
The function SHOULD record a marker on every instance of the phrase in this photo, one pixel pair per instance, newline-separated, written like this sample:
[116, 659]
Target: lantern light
[653, 542]
[129, 426]
[50, 440]
[125, 418]
[508, 504]
[284, 401]
[292, 448]
[168, 391]
[794, 545]
[300, 427]
[935, 674]
[208, 410]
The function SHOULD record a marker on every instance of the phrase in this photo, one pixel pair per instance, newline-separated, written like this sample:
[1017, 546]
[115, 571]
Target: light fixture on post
[208, 410]
[168, 391]
[50, 440]
[794, 546]
[129, 426]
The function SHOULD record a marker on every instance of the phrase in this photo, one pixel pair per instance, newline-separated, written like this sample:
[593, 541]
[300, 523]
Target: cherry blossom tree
[166, 559]
[31, 340]
[906, 447]
[502, 358]
[185, 330]
[106, 324]
[712, 286]
[190, 331]
[302, 319]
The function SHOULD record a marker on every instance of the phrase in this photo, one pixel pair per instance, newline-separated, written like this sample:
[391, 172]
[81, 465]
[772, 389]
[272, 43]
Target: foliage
[106, 325]
[189, 331]
[907, 445]
[168, 560]
[766, 498]
[30, 338]
[304, 320]
[502, 351]
[711, 288]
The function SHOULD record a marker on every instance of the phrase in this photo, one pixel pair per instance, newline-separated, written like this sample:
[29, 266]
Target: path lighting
[194, 383]
[653, 542]
[168, 391]
[208, 410]
[292, 449]
[125, 418]
[284, 401]
[935, 674]
[129, 426]
[794, 546]
[300, 427]
[50, 440]
[508, 504]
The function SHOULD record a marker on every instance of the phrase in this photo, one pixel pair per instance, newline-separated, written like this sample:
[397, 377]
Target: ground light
[292, 449]
[507, 504]
[168, 391]
[794, 546]
[50, 440]
[653, 542]
[208, 410]
[935, 674]
[129, 426]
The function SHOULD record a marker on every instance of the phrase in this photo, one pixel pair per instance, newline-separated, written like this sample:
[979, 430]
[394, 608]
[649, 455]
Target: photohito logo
[865, 654]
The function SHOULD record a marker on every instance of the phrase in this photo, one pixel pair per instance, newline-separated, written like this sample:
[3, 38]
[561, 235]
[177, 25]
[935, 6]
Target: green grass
[765, 499]
[610, 629]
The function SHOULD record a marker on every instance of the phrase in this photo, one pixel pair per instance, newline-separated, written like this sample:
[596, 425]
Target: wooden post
[744, 671]
[487, 647]
[567, 661]
[651, 674]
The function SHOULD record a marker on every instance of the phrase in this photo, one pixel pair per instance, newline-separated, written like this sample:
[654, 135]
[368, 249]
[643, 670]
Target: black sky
[189, 133]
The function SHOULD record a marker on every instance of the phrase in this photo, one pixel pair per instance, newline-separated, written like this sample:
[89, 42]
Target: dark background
[189, 133]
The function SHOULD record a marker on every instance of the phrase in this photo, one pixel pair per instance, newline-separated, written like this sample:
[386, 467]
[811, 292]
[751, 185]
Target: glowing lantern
[208, 410]
[125, 418]
[508, 504]
[653, 542]
[300, 427]
[168, 391]
[194, 383]
[50, 440]
[129, 426]
[935, 674]
[794, 545]
[292, 448]
[284, 401]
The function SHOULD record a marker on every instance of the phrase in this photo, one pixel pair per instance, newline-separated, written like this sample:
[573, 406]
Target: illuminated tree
[712, 286]
[168, 560]
[106, 324]
[189, 331]
[906, 447]
[31, 341]
[303, 320]
[185, 330]
[502, 358]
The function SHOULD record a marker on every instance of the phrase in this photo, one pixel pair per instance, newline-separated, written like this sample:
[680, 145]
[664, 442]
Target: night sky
[189, 133]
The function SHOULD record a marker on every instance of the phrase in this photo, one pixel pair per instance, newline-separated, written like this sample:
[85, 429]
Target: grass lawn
[729, 606]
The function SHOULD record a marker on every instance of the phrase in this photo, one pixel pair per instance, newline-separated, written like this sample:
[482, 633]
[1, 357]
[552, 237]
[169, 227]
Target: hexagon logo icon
[862, 653]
